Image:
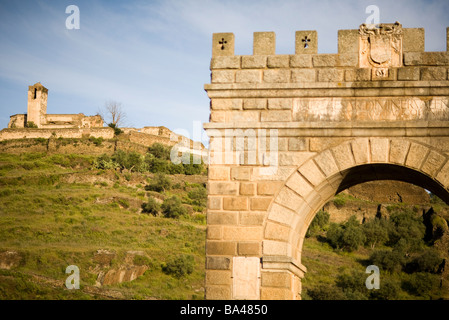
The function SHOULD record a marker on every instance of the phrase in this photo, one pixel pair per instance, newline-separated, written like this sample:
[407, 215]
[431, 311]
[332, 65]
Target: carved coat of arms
[380, 46]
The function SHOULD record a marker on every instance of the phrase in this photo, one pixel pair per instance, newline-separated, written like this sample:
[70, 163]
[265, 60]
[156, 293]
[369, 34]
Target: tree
[113, 114]
[151, 207]
[376, 232]
[159, 183]
[173, 208]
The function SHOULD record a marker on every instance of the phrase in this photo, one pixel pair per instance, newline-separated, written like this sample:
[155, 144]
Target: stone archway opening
[328, 268]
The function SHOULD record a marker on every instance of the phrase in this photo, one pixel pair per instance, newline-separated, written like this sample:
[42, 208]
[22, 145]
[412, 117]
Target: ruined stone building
[37, 114]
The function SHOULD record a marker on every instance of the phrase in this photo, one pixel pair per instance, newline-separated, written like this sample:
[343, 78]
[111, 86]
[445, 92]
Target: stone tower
[37, 104]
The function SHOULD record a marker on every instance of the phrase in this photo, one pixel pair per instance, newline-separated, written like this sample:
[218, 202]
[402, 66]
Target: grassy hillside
[58, 210]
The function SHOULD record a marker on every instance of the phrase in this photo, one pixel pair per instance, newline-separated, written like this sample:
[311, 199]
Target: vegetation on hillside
[401, 246]
[58, 210]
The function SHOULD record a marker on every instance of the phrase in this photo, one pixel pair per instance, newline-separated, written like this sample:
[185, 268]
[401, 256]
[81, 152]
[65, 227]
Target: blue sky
[154, 56]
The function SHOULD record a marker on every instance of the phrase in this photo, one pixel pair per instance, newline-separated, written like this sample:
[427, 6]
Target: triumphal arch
[288, 132]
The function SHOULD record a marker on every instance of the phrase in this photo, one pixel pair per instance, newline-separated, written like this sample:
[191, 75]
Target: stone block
[275, 231]
[348, 59]
[281, 214]
[213, 203]
[412, 58]
[379, 150]
[360, 150]
[252, 218]
[278, 248]
[247, 188]
[217, 116]
[235, 203]
[267, 188]
[242, 233]
[240, 173]
[330, 74]
[398, 150]
[325, 60]
[359, 74]
[260, 203]
[222, 188]
[218, 277]
[223, 76]
[218, 263]
[214, 232]
[343, 156]
[413, 40]
[298, 144]
[306, 42]
[280, 103]
[218, 292]
[443, 175]
[290, 199]
[276, 76]
[249, 248]
[348, 41]
[222, 218]
[433, 163]
[276, 294]
[312, 173]
[276, 279]
[433, 73]
[246, 278]
[293, 158]
[303, 75]
[408, 74]
[298, 184]
[276, 115]
[222, 44]
[278, 61]
[248, 76]
[301, 61]
[254, 62]
[226, 104]
[225, 62]
[326, 162]
[221, 248]
[219, 173]
[384, 74]
[254, 104]
[264, 43]
[416, 155]
[320, 144]
[242, 116]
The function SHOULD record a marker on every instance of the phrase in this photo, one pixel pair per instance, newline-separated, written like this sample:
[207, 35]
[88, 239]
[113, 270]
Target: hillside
[106, 207]
[65, 209]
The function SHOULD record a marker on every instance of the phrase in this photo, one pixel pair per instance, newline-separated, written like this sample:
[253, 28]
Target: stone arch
[333, 170]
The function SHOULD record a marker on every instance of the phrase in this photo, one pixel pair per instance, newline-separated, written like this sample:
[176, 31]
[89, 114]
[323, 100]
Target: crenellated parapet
[387, 52]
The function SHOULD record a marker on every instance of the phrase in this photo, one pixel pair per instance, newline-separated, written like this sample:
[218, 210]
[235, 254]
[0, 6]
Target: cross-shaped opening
[222, 42]
[306, 42]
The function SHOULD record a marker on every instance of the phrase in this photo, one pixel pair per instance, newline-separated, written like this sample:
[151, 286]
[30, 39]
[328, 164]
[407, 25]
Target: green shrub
[420, 283]
[198, 196]
[348, 236]
[159, 183]
[376, 232]
[96, 141]
[160, 151]
[140, 260]
[319, 223]
[172, 207]
[30, 124]
[388, 290]
[325, 292]
[428, 261]
[391, 261]
[179, 266]
[151, 207]
[117, 130]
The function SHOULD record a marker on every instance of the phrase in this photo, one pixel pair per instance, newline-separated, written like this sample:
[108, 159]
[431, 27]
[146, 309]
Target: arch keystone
[361, 151]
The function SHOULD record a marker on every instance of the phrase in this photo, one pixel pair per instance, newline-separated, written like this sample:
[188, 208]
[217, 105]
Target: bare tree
[112, 113]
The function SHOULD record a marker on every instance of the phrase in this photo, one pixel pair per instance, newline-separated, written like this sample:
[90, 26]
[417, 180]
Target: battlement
[384, 52]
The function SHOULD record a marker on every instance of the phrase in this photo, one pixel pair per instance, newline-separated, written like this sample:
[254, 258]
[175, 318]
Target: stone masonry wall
[288, 132]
